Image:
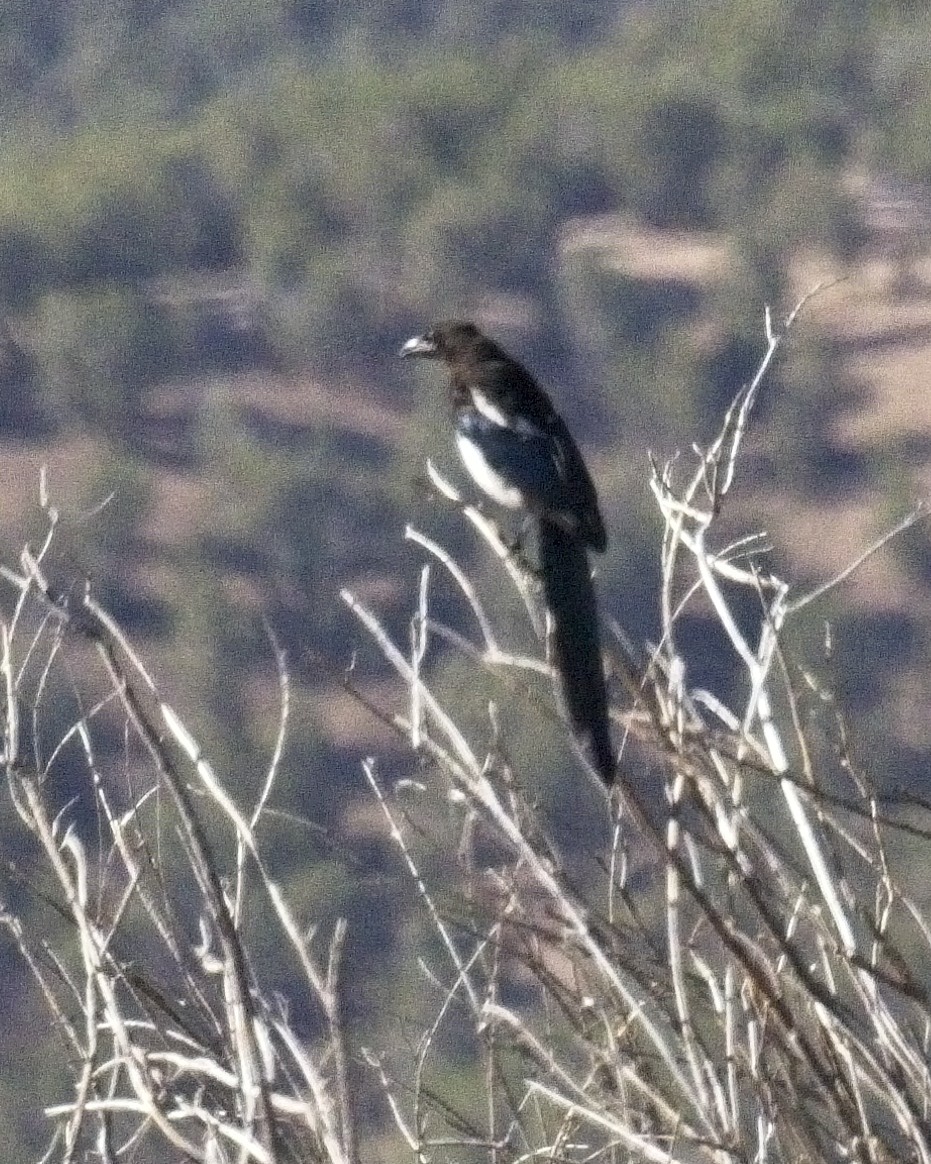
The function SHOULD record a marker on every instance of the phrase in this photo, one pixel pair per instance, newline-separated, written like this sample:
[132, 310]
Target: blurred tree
[95, 353]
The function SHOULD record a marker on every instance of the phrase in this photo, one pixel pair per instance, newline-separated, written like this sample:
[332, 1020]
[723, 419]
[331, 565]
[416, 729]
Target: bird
[519, 451]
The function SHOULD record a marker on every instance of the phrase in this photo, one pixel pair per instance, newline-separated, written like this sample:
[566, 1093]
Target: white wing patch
[487, 407]
[484, 476]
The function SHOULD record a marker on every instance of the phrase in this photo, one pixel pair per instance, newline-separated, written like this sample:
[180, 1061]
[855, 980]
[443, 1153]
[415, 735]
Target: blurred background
[218, 222]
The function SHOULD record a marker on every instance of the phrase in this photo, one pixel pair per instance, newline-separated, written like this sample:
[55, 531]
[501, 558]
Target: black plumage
[520, 452]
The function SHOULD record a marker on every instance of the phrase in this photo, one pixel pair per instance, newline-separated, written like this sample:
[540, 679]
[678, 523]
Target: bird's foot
[517, 552]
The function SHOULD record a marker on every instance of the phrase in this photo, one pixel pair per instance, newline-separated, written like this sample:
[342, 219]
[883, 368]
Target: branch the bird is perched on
[519, 451]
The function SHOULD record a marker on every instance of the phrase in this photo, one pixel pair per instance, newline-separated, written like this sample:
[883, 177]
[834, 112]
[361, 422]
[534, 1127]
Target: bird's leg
[517, 546]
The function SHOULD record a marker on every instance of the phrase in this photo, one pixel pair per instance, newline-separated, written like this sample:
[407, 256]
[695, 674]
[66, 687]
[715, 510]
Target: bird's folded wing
[518, 466]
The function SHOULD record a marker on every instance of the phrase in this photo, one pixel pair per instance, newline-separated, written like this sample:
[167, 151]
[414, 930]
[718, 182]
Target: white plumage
[487, 478]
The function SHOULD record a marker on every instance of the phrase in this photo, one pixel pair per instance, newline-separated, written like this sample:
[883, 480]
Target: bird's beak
[419, 345]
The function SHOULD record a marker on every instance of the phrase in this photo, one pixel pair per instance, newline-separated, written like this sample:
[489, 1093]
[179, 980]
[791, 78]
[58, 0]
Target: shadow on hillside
[904, 335]
[168, 441]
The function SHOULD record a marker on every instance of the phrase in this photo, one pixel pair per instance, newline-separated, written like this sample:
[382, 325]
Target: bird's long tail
[575, 642]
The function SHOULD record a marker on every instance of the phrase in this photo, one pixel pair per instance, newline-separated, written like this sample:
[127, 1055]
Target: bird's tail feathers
[575, 643]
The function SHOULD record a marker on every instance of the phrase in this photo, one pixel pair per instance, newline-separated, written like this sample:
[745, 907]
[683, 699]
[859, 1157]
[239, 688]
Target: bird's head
[444, 341]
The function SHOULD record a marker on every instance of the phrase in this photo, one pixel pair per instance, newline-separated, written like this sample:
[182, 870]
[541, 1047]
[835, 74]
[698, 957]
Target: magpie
[519, 451]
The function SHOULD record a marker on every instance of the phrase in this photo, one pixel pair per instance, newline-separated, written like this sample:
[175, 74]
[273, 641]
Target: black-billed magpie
[519, 451]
